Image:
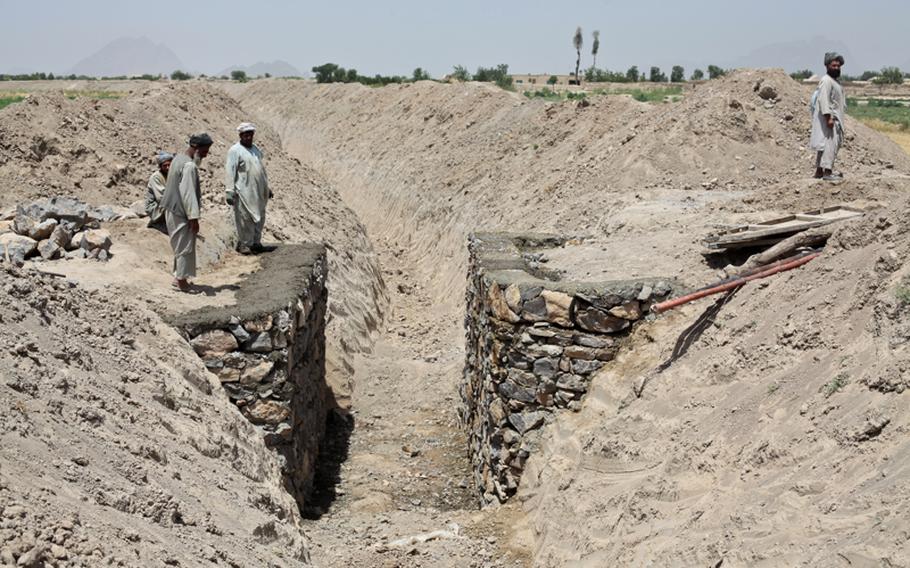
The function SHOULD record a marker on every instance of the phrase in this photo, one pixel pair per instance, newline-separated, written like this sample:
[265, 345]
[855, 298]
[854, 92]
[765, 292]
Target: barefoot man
[181, 203]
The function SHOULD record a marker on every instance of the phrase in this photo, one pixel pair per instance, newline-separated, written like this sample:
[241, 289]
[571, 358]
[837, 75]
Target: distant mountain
[797, 55]
[275, 68]
[129, 56]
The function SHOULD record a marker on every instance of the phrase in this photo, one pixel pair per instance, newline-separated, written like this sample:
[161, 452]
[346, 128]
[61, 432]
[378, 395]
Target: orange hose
[675, 302]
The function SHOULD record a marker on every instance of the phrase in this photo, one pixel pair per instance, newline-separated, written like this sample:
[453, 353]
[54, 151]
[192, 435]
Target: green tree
[889, 76]
[802, 74]
[577, 41]
[714, 72]
[595, 47]
[499, 75]
[868, 75]
[179, 75]
[459, 73]
[633, 75]
[325, 73]
[552, 80]
[420, 75]
[677, 74]
[239, 76]
[655, 76]
[697, 75]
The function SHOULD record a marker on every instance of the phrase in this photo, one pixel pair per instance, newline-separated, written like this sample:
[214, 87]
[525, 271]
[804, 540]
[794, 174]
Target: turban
[833, 56]
[163, 157]
[197, 140]
[246, 127]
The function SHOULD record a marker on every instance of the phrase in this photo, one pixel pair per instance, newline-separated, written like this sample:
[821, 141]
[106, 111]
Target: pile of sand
[119, 448]
[778, 436]
[114, 433]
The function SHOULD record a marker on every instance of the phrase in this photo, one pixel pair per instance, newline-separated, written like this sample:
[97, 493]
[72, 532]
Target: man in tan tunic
[181, 202]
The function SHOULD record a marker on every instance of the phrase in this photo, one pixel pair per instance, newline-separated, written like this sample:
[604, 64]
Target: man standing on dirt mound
[828, 107]
[181, 202]
[247, 190]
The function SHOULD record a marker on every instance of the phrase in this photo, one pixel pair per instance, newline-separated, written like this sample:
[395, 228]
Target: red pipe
[670, 304]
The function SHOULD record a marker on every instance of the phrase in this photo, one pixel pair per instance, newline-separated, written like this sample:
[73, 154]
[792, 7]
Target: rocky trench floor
[394, 486]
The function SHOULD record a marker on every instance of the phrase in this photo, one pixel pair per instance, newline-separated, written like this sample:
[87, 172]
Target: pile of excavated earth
[766, 427]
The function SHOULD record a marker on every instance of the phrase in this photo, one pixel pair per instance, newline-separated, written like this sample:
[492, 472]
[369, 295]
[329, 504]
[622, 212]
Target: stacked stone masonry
[533, 344]
[268, 351]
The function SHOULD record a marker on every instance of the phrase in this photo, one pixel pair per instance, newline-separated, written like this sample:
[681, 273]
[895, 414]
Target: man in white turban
[247, 190]
[829, 106]
[182, 201]
[155, 190]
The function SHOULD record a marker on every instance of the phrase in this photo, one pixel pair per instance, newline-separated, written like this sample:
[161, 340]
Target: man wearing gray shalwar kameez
[247, 190]
[828, 119]
[155, 190]
[181, 202]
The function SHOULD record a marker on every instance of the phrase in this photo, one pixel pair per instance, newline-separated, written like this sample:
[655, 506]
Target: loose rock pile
[532, 347]
[270, 358]
[57, 227]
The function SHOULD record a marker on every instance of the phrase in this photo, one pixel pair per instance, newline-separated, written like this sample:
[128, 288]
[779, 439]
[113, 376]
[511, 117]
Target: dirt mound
[119, 448]
[114, 434]
[443, 160]
[750, 446]
[101, 151]
[777, 438]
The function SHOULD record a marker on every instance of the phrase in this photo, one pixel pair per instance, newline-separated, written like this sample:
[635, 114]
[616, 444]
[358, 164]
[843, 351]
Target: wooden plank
[780, 228]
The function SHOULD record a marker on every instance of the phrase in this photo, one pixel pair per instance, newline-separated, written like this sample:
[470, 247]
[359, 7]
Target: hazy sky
[395, 36]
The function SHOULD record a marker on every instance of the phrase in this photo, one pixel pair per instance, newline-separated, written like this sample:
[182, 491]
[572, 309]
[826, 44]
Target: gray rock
[522, 378]
[61, 236]
[645, 293]
[510, 390]
[546, 367]
[572, 383]
[593, 341]
[534, 310]
[586, 367]
[527, 420]
[17, 247]
[78, 253]
[60, 208]
[530, 293]
[96, 239]
[213, 343]
[49, 250]
[75, 241]
[237, 330]
[42, 230]
[260, 342]
[592, 319]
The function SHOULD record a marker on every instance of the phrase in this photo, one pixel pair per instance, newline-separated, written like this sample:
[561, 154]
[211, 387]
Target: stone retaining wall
[268, 350]
[533, 344]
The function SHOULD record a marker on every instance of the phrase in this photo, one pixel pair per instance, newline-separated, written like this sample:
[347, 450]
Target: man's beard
[834, 73]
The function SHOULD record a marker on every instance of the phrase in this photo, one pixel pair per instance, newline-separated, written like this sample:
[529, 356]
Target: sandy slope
[213, 491]
[715, 462]
[777, 437]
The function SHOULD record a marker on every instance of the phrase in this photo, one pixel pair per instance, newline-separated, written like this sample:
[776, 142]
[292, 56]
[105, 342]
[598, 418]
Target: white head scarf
[246, 127]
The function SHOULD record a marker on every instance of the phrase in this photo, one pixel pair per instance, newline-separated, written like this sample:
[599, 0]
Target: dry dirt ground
[777, 437]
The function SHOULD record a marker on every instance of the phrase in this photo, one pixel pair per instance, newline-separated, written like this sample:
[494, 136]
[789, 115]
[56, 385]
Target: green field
[9, 98]
[659, 95]
[892, 111]
[5, 101]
